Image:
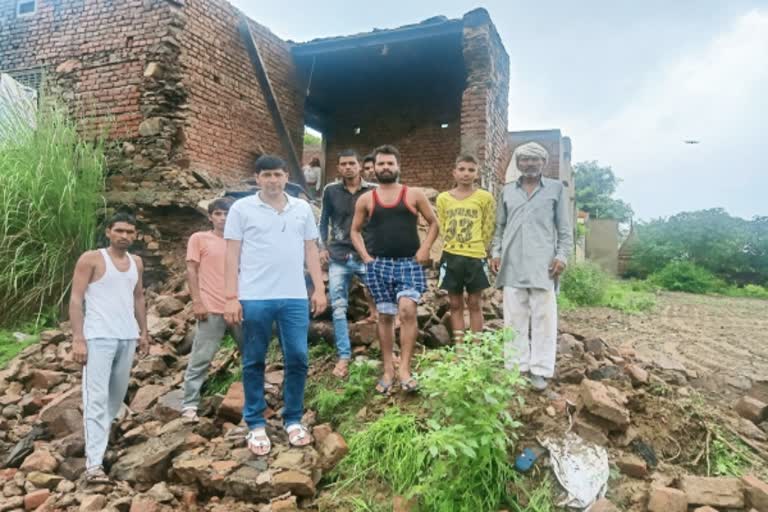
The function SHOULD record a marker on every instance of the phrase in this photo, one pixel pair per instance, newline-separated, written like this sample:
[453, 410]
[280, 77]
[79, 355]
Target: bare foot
[341, 370]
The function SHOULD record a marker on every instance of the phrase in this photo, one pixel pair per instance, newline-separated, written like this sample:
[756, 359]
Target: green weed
[219, 383]
[540, 499]
[584, 283]
[728, 459]
[10, 347]
[320, 350]
[51, 185]
[452, 456]
[336, 404]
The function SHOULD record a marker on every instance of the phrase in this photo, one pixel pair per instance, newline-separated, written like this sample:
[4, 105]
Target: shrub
[684, 276]
[754, 291]
[584, 284]
[452, 456]
[51, 185]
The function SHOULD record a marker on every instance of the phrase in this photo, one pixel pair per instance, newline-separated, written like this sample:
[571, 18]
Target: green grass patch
[219, 383]
[729, 456]
[51, 186]
[538, 499]
[450, 451]
[586, 284]
[336, 401]
[10, 347]
[752, 291]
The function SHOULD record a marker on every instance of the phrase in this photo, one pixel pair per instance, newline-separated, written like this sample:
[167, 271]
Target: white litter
[580, 467]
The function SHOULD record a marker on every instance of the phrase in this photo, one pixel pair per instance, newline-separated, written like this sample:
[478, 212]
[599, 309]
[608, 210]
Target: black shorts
[458, 273]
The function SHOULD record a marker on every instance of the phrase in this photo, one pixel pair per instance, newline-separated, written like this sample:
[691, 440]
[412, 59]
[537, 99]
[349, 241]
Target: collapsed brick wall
[227, 122]
[484, 109]
[97, 49]
[427, 150]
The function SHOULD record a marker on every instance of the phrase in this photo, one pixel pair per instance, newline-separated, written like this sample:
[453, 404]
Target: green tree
[311, 140]
[731, 248]
[595, 186]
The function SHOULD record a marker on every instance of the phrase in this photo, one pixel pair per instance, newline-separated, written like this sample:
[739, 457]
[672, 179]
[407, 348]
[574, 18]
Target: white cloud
[716, 95]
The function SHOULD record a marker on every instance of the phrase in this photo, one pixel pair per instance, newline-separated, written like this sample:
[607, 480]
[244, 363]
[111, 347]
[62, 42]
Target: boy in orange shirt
[206, 251]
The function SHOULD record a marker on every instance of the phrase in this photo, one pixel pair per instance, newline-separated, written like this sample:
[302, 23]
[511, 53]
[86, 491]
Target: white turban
[529, 149]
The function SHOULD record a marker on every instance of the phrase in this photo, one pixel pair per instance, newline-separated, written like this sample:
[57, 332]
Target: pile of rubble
[643, 412]
[158, 462]
[608, 395]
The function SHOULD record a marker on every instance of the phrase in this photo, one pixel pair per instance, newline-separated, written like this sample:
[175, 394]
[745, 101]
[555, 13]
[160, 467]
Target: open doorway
[313, 161]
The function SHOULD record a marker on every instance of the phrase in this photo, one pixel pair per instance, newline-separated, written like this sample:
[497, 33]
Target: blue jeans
[292, 318]
[339, 276]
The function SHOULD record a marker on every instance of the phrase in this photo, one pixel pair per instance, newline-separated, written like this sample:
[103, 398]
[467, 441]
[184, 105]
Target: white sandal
[300, 433]
[258, 442]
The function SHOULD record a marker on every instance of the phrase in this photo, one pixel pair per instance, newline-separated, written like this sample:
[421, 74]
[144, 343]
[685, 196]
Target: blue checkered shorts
[389, 279]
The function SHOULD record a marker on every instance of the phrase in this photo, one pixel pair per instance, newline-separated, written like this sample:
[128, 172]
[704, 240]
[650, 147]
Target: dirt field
[723, 340]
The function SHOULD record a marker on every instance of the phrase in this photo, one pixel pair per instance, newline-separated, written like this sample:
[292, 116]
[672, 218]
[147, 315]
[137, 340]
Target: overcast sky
[627, 81]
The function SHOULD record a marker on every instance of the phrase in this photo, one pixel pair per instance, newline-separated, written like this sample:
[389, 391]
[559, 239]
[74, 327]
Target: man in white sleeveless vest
[104, 337]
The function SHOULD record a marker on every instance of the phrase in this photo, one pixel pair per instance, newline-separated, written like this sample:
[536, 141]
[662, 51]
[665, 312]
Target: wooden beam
[289, 150]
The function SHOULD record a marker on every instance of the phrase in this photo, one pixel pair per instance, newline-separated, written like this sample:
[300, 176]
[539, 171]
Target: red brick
[666, 499]
[756, 493]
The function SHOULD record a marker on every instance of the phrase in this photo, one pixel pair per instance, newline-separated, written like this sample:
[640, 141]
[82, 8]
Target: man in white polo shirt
[270, 236]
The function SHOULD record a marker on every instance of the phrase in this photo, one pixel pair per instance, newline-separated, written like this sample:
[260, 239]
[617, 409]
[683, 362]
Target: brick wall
[427, 150]
[226, 120]
[104, 45]
[484, 107]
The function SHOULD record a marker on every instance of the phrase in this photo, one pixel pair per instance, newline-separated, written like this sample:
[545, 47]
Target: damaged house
[192, 91]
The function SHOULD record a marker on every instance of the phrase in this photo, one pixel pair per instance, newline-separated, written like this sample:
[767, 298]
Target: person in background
[338, 209]
[206, 251]
[312, 173]
[467, 218]
[369, 174]
[530, 249]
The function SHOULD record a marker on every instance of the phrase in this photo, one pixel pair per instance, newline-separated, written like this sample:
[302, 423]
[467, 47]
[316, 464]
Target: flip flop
[383, 388]
[96, 476]
[298, 435]
[258, 442]
[410, 386]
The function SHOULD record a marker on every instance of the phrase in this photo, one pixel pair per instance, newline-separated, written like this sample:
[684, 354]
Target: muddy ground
[723, 340]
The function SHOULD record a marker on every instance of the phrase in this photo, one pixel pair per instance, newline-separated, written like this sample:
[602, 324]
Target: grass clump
[451, 454]
[219, 383]
[336, 404]
[728, 458]
[586, 284]
[10, 347]
[51, 185]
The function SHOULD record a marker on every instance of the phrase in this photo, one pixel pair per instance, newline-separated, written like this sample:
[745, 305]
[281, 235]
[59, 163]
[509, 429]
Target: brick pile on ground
[607, 394]
[643, 412]
[158, 462]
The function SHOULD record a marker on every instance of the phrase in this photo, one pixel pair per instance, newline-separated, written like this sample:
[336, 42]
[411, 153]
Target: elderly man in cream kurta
[530, 249]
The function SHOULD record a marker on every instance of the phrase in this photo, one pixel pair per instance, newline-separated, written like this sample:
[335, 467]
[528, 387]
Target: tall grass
[51, 185]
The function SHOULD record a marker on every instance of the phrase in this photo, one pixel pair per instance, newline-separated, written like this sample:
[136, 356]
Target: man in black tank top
[394, 257]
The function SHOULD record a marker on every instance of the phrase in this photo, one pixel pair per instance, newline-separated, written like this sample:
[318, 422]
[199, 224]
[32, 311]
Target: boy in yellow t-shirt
[467, 219]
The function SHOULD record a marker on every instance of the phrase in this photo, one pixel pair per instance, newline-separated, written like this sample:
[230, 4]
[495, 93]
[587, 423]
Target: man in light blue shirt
[270, 236]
